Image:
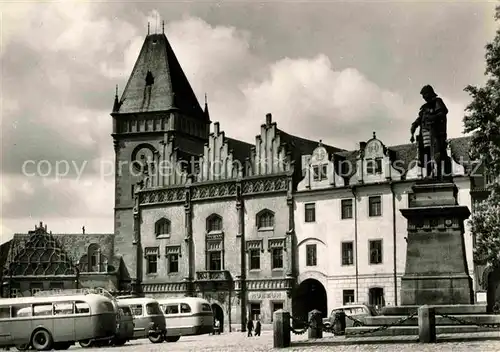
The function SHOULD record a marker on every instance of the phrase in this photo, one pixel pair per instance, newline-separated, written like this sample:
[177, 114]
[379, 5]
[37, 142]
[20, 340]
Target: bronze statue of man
[432, 136]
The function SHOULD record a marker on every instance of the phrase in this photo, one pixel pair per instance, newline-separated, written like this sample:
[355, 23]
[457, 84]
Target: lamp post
[77, 278]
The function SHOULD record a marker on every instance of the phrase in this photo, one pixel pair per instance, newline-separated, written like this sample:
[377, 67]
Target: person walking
[249, 327]
[258, 326]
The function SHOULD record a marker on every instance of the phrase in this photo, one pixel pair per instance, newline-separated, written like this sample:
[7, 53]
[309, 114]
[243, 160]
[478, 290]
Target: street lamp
[77, 278]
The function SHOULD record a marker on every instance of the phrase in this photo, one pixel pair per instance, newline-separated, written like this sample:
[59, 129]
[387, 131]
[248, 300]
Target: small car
[355, 311]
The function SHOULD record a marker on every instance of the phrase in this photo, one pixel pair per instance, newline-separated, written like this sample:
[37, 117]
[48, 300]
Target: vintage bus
[187, 316]
[149, 320]
[125, 326]
[45, 323]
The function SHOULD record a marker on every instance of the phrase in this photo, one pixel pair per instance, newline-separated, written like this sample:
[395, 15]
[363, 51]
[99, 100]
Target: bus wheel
[86, 343]
[172, 338]
[120, 342]
[156, 337]
[23, 347]
[42, 340]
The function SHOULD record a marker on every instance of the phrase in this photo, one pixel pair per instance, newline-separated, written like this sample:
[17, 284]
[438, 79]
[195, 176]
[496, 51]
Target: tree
[482, 120]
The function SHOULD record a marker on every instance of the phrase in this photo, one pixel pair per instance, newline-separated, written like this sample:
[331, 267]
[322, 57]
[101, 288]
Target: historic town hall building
[251, 227]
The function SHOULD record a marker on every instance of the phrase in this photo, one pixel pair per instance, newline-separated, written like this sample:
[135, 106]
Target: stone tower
[157, 105]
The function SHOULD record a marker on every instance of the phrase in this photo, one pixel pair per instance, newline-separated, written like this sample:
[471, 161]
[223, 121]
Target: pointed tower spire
[116, 105]
[148, 27]
[163, 26]
[207, 114]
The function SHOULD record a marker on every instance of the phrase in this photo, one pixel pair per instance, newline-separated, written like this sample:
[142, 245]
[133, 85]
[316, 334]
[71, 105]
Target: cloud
[61, 62]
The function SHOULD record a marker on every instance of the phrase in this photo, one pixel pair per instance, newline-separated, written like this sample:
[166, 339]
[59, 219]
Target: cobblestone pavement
[238, 341]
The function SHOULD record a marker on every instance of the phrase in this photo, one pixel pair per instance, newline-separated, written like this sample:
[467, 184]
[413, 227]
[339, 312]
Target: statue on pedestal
[432, 136]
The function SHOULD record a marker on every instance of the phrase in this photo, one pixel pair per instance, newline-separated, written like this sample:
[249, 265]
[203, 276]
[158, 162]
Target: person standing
[249, 327]
[258, 326]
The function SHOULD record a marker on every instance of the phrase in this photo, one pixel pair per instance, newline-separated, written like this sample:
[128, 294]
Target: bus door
[140, 322]
[64, 321]
[42, 316]
[82, 319]
[5, 321]
[20, 324]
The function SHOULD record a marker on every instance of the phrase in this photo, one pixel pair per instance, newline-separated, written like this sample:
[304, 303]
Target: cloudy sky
[326, 70]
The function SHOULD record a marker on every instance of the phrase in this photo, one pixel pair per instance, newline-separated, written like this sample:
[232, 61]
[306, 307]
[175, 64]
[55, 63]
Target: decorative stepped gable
[217, 161]
[158, 83]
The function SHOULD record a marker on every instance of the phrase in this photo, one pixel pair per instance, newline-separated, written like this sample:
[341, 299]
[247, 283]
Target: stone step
[446, 309]
[413, 330]
[440, 320]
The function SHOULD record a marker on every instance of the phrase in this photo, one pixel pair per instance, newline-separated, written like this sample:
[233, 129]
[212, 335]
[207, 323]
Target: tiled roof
[168, 86]
[241, 150]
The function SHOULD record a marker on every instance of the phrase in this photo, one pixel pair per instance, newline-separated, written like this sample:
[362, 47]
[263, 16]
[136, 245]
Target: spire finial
[116, 91]
[374, 135]
[163, 26]
[206, 100]
[320, 142]
[149, 25]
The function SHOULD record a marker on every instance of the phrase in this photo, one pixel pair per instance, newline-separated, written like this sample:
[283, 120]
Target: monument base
[436, 270]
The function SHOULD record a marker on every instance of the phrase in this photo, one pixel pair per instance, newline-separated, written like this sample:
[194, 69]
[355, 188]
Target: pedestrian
[217, 327]
[496, 308]
[258, 326]
[249, 327]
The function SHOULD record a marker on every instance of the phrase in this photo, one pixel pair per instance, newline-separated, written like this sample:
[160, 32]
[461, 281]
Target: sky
[328, 70]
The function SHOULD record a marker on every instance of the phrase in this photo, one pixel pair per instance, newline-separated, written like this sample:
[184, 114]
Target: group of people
[250, 327]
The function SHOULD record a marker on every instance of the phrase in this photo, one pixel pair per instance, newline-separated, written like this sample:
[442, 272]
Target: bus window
[206, 307]
[185, 308]
[136, 309]
[4, 312]
[63, 308]
[172, 309]
[82, 307]
[153, 309]
[126, 311]
[21, 310]
[42, 309]
[106, 306]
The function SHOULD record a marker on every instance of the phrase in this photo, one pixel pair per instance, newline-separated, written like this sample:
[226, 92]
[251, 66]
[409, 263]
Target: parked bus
[149, 320]
[187, 316]
[125, 326]
[45, 323]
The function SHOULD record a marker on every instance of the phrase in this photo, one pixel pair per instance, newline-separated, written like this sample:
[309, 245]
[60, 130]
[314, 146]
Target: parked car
[355, 311]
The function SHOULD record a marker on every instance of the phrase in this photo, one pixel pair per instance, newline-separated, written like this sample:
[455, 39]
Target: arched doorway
[310, 295]
[219, 315]
[376, 297]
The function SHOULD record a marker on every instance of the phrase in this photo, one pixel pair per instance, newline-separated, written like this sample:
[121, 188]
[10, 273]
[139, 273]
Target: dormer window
[374, 166]
[320, 172]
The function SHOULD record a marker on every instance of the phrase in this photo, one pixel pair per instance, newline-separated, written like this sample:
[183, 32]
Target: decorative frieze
[165, 287]
[153, 251]
[276, 243]
[267, 185]
[255, 245]
[269, 284]
[217, 275]
[213, 191]
[434, 224]
[169, 250]
[162, 196]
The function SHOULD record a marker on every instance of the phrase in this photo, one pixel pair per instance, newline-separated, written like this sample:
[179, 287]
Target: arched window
[93, 257]
[162, 227]
[265, 219]
[214, 223]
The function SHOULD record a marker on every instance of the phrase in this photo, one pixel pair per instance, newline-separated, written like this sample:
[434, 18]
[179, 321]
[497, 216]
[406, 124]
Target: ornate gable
[42, 255]
[269, 156]
[374, 163]
[217, 161]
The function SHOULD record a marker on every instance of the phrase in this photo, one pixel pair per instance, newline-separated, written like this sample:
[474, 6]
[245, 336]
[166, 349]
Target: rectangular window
[347, 253]
[255, 311]
[320, 172]
[14, 292]
[374, 166]
[277, 258]
[4, 312]
[346, 205]
[310, 212]
[63, 308]
[173, 263]
[35, 288]
[152, 264]
[311, 255]
[42, 309]
[254, 259]
[276, 306]
[375, 206]
[136, 309]
[22, 310]
[316, 175]
[411, 200]
[375, 251]
[215, 260]
[56, 285]
[348, 296]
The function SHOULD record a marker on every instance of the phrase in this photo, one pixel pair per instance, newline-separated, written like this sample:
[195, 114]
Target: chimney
[362, 145]
[216, 128]
[83, 229]
[269, 119]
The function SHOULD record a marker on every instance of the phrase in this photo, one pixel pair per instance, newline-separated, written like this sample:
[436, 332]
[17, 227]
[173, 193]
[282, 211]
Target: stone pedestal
[436, 267]
[281, 329]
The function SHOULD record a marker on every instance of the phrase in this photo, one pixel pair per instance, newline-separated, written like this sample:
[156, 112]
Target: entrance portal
[219, 315]
[310, 295]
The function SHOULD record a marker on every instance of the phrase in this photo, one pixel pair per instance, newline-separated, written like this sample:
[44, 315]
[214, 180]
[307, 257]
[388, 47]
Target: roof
[158, 83]
[241, 150]
[304, 146]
